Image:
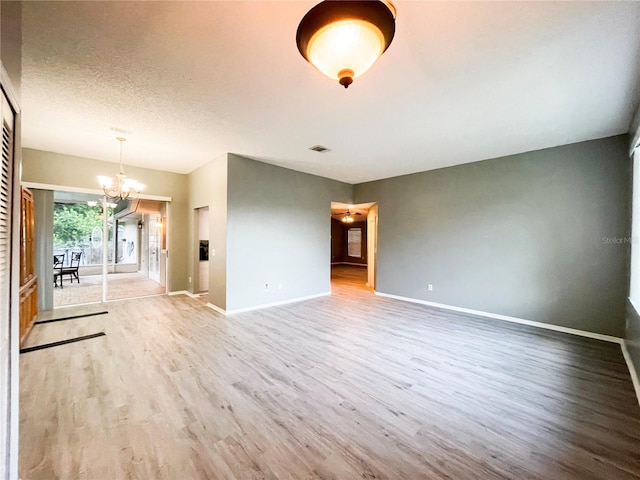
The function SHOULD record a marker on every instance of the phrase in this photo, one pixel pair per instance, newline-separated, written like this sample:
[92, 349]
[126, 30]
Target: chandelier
[120, 187]
[344, 38]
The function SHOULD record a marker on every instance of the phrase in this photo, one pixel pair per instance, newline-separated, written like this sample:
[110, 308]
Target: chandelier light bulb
[120, 187]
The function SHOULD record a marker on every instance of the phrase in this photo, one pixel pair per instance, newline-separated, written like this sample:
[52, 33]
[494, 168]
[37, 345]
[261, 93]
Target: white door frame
[9, 447]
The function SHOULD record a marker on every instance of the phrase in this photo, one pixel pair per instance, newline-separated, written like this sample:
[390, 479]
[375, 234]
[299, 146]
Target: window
[354, 242]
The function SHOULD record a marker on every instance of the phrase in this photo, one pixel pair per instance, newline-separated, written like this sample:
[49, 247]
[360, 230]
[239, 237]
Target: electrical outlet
[266, 287]
[189, 279]
[430, 287]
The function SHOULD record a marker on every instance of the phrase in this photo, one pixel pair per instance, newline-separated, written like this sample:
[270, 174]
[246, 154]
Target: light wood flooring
[340, 387]
[121, 285]
[349, 277]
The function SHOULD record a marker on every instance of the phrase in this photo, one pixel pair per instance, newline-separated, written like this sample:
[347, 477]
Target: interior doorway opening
[106, 251]
[201, 217]
[354, 245]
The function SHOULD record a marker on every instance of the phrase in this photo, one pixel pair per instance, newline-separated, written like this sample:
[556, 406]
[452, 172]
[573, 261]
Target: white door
[8, 343]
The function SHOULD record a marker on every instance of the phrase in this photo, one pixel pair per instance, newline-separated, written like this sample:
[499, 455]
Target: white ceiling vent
[121, 130]
[319, 148]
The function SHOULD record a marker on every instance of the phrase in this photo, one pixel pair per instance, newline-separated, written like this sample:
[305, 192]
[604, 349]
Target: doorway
[137, 265]
[107, 251]
[353, 245]
[202, 230]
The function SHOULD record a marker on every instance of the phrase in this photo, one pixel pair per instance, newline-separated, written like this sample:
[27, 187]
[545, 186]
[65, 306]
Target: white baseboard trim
[266, 305]
[521, 321]
[632, 302]
[134, 298]
[75, 305]
[276, 304]
[582, 333]
[183, 292]
[216, 308]
[632, 370]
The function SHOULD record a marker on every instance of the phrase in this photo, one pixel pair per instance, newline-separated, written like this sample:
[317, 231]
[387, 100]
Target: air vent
[121, 130]
[319, 148]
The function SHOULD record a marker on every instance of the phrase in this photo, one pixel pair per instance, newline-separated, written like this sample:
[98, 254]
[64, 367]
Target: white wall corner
[634, 131]
[183, 292]
[276, 304]
[216, 308]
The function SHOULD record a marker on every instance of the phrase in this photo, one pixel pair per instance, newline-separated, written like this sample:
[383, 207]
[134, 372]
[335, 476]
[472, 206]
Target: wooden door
[28, 279]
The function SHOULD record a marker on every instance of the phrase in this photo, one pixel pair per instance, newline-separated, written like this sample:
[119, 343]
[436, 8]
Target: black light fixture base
[346, 77]
[346, 81]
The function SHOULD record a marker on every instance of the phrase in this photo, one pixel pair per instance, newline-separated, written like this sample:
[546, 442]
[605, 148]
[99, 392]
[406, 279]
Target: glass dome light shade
[346, 45]
[342, 39]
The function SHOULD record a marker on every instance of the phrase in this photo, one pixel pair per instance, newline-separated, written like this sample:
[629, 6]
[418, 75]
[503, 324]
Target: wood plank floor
[340, 387]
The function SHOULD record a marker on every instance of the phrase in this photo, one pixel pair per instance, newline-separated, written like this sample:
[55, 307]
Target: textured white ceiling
[461, 82]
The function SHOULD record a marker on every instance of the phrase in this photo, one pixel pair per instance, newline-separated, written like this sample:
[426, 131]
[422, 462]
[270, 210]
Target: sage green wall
[278, 232]
[64, 170]
[207, 187]
[538, 236]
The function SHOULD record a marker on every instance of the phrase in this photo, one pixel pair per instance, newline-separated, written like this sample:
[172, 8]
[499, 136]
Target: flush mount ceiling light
[343, 38]
[121, 187]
